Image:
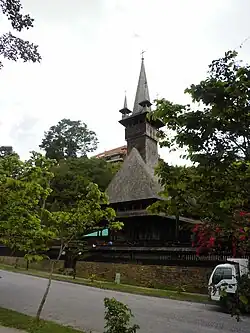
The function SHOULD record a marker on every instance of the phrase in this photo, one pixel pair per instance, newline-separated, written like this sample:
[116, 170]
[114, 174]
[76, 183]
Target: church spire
[142, 98]
[141, 132]
[125, 111]
[125, 102]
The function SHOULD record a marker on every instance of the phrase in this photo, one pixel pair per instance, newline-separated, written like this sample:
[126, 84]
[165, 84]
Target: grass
[26, 323]
[163, 293]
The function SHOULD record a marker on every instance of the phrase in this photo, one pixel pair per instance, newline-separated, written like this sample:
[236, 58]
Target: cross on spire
[142, 54]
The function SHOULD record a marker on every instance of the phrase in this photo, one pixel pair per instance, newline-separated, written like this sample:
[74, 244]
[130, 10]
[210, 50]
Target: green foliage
[6, 150]
[71, 178]
[85, 217]
[24, 187]
[77, 206]
[218, 131]
[217, 139]
[71, 225]
[27, 324]
[118, 317]
[115, 167]
[215, 134]
[220, 191]
[177, 187]
[72, 175]
[12, 47]
[244, 293]
[239, 302]
[92, 277]
[68, 139]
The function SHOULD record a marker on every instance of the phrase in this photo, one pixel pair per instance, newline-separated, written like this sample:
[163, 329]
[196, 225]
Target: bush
[240, 301]
[92, 277]
[117, 317]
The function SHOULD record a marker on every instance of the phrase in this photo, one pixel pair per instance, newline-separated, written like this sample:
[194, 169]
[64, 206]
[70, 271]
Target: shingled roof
[119, 150]
[134, 181]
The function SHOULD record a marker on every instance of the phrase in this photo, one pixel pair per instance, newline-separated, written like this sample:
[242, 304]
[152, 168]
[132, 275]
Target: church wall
[147, 229]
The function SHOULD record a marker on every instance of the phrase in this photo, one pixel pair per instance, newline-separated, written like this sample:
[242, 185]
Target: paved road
[82, 307]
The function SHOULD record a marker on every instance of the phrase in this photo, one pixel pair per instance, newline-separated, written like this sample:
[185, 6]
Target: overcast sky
[91, 55]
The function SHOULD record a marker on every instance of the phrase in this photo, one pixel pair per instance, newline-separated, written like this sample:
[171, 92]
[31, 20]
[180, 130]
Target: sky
[91, 54]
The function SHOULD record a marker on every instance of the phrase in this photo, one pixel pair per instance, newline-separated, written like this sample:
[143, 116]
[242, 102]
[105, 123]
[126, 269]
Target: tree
[12, 47]
[218, 132]
[71, 178]
[68, 139]
[178, 201]
[24, 187]
[25, 223]
[217, 140]
[69, 226]
[6, 150]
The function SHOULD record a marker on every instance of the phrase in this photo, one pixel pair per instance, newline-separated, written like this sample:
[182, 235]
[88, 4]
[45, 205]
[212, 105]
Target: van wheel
[226, 304]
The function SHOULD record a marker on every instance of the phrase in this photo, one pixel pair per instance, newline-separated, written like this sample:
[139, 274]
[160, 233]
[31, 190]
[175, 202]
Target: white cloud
[91, 54]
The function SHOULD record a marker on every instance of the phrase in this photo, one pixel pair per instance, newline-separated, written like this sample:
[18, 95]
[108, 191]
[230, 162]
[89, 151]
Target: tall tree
[11, 46]
[72, 176]
[24, 187]
[84, 217]
[6, 150]
[177, 191]
[218, 132]
[217, 139]
[216, 136]
[68, 139]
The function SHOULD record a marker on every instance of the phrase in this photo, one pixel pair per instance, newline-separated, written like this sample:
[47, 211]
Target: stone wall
[43, 265]
[192, 279]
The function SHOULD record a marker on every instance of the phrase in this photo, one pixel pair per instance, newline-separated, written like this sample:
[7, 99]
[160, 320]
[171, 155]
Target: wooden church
[135, 187]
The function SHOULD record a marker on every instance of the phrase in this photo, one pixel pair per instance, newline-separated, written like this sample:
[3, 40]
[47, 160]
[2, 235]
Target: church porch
[151, 231]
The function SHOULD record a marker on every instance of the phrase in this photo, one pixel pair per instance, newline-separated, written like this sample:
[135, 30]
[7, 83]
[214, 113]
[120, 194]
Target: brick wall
[192, 279]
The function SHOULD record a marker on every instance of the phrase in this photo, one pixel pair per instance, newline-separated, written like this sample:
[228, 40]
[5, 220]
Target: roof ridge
[134, 181]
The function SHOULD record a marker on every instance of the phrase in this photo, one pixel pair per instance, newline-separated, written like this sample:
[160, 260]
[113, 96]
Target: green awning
[104, 232]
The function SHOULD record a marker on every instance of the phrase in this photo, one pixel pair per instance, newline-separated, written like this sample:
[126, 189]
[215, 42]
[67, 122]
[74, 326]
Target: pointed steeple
[125, 111]
[142, 98]
[141, 131]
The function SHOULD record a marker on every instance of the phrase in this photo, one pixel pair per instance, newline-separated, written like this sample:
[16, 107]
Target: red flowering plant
[234, 239]
[210, 237]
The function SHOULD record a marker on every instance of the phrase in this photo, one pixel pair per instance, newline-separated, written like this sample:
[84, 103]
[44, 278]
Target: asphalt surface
[82, 307]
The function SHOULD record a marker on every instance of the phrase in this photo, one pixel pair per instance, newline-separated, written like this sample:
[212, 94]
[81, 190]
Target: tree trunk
[74, 268]
[27, 264]
[40, 308]
[16, 263]
[177, 224]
